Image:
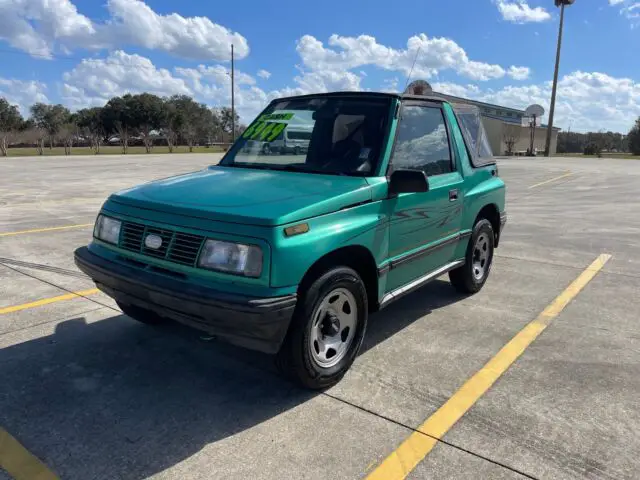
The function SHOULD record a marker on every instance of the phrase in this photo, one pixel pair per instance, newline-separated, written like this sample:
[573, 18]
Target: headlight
[107, 229]
[234, 258]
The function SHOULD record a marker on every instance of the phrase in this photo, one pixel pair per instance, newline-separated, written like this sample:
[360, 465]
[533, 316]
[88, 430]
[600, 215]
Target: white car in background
[293, 140]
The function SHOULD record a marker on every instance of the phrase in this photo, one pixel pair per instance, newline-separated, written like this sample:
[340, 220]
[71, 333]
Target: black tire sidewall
[315, 375]
[482, 226]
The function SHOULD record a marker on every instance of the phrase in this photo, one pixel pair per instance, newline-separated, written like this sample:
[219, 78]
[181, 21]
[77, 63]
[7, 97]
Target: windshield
[331, 135]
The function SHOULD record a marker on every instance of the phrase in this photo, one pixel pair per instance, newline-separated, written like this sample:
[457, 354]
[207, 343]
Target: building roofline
[484, 104]
[515, 121]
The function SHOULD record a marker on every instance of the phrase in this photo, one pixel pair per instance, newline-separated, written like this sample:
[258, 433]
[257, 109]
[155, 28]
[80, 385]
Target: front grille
[177, 247]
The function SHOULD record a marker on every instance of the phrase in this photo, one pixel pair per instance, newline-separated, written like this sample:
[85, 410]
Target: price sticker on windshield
[267, 127]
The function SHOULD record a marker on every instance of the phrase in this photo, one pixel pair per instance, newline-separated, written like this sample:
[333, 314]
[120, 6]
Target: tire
[331, 315]
[471, 277]
[266, 149]
[141, 314]
[296, 150]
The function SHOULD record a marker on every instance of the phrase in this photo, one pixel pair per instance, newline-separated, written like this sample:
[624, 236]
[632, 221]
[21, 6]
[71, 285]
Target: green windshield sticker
[260, 128]
[278, 116]
[265, 131]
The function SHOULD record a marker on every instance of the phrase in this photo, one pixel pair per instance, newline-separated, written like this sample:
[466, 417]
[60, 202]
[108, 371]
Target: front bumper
[250, 322]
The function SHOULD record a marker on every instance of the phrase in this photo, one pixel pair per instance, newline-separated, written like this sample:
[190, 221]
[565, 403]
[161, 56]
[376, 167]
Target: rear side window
[422, 142]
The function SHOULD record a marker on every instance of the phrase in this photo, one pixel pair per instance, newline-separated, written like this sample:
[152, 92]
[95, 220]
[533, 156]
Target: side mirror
[408, 181]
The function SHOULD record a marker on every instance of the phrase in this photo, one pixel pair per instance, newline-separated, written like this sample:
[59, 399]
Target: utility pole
[547, 147]
[233, 101]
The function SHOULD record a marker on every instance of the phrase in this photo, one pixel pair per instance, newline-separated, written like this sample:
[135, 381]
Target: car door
[424, 227]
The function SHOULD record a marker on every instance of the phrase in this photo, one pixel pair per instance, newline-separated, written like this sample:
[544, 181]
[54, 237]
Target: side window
[422, 142]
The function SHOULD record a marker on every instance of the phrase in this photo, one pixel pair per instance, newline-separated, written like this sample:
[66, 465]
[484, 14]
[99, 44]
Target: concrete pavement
[93, 394]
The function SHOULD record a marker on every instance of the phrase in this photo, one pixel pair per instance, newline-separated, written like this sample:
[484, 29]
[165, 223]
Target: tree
[34, 135]
[68, 133]
[194, 120]
[592, 148]
[171, 122]
[226, 120]
[90, 124]
[634, 138]
[10, 122]
[50, 118]
[118, 119]
[510, 136]
[146, 113]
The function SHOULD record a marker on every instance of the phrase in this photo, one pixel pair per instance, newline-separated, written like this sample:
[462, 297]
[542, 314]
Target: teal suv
[290, 253]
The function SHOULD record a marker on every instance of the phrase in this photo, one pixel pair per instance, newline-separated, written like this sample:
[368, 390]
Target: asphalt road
[95, 395]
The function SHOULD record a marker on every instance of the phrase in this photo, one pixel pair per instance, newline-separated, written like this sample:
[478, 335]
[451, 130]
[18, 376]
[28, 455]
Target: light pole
[547, 146]
[233, 101]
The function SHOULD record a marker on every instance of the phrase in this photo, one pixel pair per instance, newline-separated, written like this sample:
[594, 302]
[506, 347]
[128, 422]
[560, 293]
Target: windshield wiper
[253, 166]
[298, 168]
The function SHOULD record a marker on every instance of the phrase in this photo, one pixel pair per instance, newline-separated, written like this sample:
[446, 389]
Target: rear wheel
[326, 331]
[471, 277]
[266, 149]
[141, 314]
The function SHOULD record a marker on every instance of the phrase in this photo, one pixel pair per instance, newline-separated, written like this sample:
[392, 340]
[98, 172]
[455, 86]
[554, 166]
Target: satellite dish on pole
[418, 87]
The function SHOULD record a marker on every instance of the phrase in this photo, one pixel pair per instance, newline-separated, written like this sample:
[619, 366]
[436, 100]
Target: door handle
[453, 195]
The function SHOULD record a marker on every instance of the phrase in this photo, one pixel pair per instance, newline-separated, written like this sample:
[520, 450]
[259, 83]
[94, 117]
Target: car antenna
[415, 59]
[417, 87]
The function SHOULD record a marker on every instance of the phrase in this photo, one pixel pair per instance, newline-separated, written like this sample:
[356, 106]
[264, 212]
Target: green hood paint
[251, 197]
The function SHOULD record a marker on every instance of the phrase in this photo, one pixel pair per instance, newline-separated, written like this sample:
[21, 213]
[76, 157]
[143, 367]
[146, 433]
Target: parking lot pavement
[95, 395]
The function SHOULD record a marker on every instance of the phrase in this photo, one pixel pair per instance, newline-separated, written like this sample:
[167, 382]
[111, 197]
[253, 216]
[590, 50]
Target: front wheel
[326, 331]
[471, 277]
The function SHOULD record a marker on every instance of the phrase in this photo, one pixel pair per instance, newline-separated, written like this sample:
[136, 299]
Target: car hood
[252, 197]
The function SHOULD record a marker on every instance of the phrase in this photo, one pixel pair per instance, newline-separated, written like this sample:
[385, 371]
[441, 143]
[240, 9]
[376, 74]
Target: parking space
[92, 394]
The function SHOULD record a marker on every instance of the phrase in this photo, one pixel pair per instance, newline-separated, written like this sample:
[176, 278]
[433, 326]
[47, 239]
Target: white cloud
[519, 73]
[590, 101]
[40, 27]
[134, 22]
[629, 9]
[433, 56]
[264, 74]
[390, 85]
[464, 91]
[32, 25]
[23, 93]
[519, 11]
[94, 81]
[632, 11]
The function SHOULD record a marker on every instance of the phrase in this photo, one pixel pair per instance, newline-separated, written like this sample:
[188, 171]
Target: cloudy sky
[82, 52]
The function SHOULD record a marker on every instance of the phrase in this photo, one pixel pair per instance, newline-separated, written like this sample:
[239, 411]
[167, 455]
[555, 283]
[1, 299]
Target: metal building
[502, 123]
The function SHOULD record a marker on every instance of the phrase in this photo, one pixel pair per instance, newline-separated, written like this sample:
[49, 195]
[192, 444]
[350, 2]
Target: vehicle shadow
[118, 399]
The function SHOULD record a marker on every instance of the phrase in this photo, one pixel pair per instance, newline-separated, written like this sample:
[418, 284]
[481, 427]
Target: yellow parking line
[46, 301]
[49, 229]
[19, 462]
[418, 445]
[551, 180]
